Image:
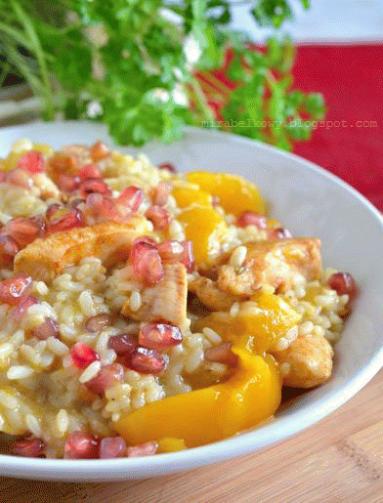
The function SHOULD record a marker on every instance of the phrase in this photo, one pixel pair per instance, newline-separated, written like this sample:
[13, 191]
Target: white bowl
[309, 201]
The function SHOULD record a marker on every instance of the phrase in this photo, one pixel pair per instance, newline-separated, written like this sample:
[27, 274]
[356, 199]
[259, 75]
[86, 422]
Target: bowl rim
[244, 443]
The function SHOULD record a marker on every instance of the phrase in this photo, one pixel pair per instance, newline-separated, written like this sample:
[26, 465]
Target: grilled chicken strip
[45, 258]
[211, 296]
[309, 360]
[280, 264]
[165, 301]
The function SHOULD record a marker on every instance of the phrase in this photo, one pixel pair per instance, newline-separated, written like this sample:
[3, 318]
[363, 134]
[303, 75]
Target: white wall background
[326, 21]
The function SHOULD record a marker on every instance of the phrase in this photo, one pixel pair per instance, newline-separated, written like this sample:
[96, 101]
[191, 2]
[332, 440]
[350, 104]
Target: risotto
[145, 311]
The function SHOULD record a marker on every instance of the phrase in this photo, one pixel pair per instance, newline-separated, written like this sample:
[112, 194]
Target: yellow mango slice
[206, 415]
[186, 197]
[170, 444]
[204, 227]
[235, 194]
[259, 324]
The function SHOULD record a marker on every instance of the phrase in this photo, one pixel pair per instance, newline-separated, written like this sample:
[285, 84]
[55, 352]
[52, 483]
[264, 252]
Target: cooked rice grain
[45, 393]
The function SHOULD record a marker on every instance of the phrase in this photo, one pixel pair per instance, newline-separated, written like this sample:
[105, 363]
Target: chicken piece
[165, 301]
[280, 264]
[309, 361]
[211, 296]
[43, 259]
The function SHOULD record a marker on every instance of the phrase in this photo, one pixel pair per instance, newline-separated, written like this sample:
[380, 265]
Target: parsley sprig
[148, 67]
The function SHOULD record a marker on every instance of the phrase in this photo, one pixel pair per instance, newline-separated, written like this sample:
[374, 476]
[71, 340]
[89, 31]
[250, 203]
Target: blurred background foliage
[148, 67]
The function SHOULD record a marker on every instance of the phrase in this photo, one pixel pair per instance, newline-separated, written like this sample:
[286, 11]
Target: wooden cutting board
[340, 460]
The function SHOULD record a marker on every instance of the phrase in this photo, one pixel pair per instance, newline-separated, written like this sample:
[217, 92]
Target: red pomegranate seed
[32, 161]
[40, 222]
[99, 208]
[123, 344]
[251, 218]
[68, 183]
[13, 289]
[146, 449]
[98, 322]
[159, 336]
[29, 447]
[81, 445]
[24, 230]
[222, 354]
[168, 166]
[94, 201]
[63, 219]
[83, 355]
[171, 251]
[99, 151]
[279, 233]
[8, 249]
[147, 361]
[131, 198]
[343, 283]
[49, 328]
[148, 240]
[89, 171]
[52, 209]
[77, 202]
[177, 251]
[159, 217]
[188, 256]
[20, 178]
[107, 377]
[112, 447]
[146, 262]
[161, 193]
[93, 185]
[23, 306]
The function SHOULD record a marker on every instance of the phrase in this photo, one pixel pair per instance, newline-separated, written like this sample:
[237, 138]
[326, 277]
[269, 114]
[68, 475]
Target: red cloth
[351, 79]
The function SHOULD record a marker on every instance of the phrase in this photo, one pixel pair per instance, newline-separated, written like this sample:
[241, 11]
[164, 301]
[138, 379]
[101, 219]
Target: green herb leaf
[150, 66]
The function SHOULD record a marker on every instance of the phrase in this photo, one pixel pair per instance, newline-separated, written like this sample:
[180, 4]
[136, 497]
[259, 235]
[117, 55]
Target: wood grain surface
[340, 460]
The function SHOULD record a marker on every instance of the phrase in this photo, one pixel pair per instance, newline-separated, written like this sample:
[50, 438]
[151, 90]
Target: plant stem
[202, 103]
[4, 72]
[211, 92]
[270, 79]
[39, 53]
[214, 82]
